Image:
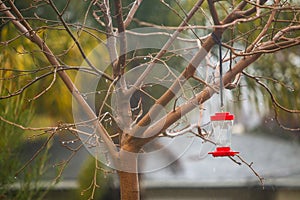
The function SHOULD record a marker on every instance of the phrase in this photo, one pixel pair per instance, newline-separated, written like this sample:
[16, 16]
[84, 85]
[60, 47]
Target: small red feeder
[222, 127]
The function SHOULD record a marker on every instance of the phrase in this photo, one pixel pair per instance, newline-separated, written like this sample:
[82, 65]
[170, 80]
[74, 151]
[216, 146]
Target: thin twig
[77, 42]
[45, 129]
[64, 165]
[36, 39]
[165, 48]
[36, 153]
[205, 83]
[275, 102]
[261, 179]
[46, 89]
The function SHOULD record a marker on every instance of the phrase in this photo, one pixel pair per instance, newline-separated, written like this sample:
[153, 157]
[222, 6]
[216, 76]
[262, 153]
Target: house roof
[274, 159]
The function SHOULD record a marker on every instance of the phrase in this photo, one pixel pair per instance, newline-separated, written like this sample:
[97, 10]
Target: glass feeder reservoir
[222, 123]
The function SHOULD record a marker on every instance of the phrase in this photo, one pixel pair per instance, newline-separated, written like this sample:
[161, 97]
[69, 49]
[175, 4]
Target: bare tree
[126, 116]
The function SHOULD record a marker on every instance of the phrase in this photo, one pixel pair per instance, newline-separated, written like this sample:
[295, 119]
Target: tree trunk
[128, 174]
[129, 186]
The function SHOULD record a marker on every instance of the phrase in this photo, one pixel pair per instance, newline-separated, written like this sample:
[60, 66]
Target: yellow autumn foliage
[21, 59]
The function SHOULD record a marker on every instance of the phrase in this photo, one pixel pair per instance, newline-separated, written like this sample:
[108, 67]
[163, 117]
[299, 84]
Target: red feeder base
[223, 151]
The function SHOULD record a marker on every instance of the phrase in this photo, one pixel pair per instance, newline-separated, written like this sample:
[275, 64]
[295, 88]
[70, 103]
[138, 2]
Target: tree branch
[119, 68]
[132, 12]
[165, 48]
[213, 12]
[265, 29]
[274, 102]
[261, 179]
[200, 98]
[111, 42]
[60, 16]
[36, 153]
[66, 79]
[188, 71]
[206, 93]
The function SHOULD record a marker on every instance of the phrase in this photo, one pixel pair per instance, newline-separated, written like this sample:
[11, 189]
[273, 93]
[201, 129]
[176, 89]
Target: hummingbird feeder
[222, 122]
[222, 128]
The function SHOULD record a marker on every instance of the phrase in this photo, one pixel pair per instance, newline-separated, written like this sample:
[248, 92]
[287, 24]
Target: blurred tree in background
[11, 156]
